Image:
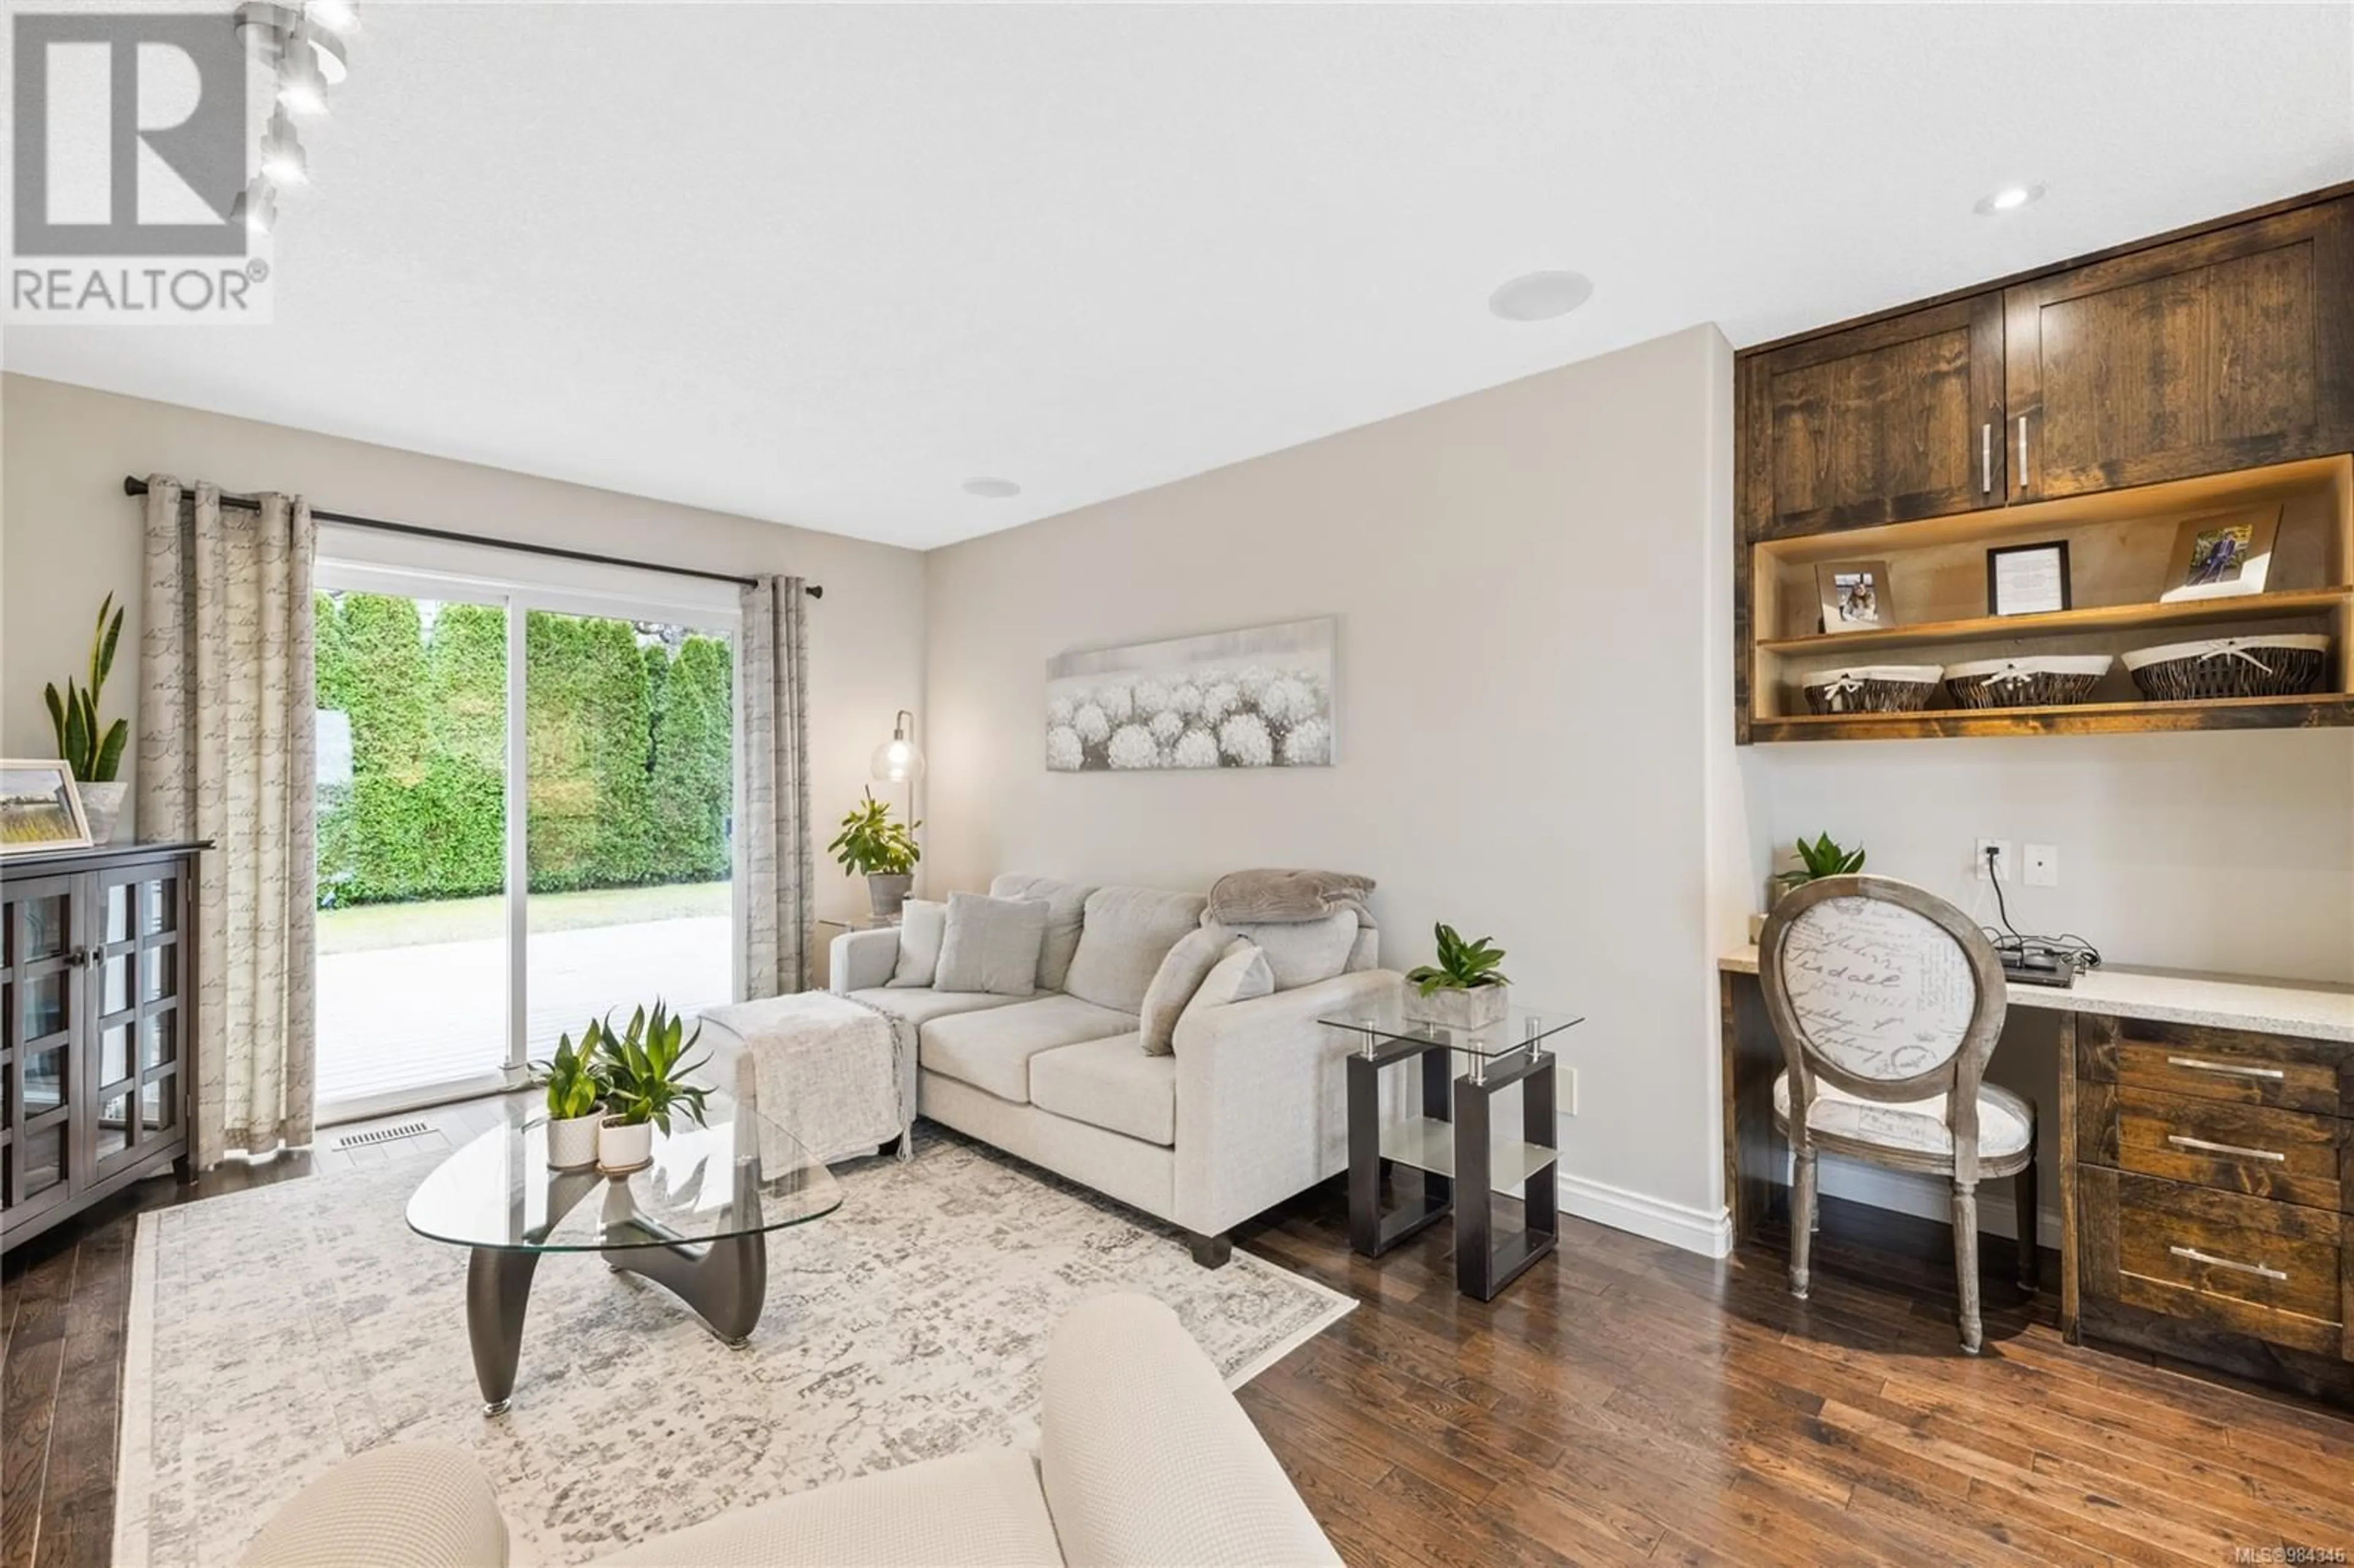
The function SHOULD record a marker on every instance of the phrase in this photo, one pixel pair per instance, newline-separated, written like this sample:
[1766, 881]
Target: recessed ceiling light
[2010, 199]
[991, 489]
[1540, 296]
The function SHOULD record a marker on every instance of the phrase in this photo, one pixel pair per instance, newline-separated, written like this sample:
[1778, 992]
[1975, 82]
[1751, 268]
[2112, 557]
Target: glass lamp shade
[897, 761]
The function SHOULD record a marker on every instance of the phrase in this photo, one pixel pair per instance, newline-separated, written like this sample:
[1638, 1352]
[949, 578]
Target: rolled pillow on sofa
[992, 945]
[922, 923]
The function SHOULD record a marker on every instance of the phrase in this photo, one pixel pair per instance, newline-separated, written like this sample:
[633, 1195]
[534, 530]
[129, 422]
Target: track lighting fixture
[283, 158]
[256, 207]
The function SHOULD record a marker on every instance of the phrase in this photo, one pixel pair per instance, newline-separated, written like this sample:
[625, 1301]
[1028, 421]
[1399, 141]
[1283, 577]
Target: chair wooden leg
[1802, 1221]
[1965, 1263]
[2023, 1191]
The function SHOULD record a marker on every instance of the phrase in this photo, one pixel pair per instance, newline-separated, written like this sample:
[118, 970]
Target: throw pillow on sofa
[1173, 984]
[1302, 952]
[1065, 904]
[1127, 932]
[922, 923]
[992, 945]
[1241, 974]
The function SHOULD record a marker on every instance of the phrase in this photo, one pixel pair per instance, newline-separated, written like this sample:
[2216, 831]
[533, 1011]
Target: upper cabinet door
[1882, 423]
[2224, 351]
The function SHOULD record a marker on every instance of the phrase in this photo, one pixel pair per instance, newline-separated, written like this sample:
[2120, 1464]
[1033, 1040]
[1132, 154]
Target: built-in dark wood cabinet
[1882, 423]
[98, 1001]
[2227, 350]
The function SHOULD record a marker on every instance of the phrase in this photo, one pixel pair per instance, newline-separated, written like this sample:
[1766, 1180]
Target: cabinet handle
[2229, 1069]
[2195, 1255]
[2022, 452]
[1986, 458]
[2179, 1141]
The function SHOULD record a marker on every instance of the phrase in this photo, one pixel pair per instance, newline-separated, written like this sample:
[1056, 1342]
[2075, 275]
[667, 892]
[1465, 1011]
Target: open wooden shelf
[2294, 605]
[2317, 711]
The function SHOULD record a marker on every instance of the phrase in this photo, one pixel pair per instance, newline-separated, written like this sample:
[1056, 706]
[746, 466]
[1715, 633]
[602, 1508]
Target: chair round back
[1881, 987]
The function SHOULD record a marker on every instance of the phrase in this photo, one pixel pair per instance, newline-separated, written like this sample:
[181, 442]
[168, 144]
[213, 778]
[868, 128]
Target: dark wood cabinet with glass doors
[97, 999]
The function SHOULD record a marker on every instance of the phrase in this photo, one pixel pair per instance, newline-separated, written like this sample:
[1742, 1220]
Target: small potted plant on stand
[94, 755]
[574, 1080]
[1816, 861]
[871, 843]
[645, 1085]
[1464, 990]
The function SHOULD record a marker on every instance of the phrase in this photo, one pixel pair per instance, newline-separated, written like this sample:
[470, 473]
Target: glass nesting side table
[1455, 1138]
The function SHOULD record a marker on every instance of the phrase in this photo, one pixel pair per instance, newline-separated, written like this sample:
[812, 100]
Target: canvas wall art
[1260, 698]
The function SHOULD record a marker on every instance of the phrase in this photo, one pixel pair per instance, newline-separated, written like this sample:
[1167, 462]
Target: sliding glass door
[526, 822]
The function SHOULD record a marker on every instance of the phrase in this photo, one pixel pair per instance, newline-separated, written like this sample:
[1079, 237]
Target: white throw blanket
[828, 1069]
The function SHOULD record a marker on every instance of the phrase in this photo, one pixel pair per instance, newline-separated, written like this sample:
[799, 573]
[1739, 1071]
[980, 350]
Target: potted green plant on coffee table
[94, 755]
[645, 1085]
[1464, 990]
[882, 851]
[574, 1080]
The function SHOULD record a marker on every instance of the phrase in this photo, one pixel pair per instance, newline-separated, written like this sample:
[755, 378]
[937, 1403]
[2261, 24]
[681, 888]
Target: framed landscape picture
[1258, 698]
[40, 808]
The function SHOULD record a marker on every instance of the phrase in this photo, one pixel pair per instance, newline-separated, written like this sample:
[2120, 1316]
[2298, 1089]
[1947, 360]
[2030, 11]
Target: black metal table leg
[1483, 1267]
[498, 1288]
[726, 1282]
[1371, 1230]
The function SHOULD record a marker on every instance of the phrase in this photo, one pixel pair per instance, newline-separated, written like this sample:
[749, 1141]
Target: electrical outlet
[1566, 1086]
[2002, 859]
[2041, 868]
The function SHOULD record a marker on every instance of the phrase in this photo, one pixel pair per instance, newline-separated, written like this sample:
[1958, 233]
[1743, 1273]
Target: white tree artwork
[1260, 698]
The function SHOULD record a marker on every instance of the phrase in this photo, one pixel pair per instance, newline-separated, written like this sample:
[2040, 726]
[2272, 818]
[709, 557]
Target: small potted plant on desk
[645, 1086]
[574, 1080]
[1464, 989]
[1816, 861]
[871, 843]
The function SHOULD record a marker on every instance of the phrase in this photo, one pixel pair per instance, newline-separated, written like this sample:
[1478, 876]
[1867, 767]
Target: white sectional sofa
[1249, 1108]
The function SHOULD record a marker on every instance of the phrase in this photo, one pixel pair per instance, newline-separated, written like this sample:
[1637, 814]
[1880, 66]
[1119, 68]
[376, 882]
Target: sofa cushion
[922, 923]
[1127, 933]
[1302, 952]
[1241, 974]
[1111, 1084]
[982, 1508]
[1065, 908]
[923, 1005]
[1173, 984]
[992, 945]
[992, 1049]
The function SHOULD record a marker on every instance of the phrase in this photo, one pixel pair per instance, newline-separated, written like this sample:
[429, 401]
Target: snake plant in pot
[883, 851]
[645, 1085]
[1464, 989]
[93, 754]
[574, 1080]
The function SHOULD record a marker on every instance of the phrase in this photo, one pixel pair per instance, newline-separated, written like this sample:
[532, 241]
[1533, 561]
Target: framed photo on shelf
[2027, 580]
[1855, 595]
[40, 809]
[2222, 556]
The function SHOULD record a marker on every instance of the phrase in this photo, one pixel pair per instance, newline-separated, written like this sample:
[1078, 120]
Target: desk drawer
[2289, 1157]
[2229, 1065]
[2271, 1270]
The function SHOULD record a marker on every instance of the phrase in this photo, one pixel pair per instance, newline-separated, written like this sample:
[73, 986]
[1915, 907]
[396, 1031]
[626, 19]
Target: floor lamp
[899, 761]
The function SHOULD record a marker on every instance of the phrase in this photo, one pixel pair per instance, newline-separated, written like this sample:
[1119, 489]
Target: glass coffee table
[1454, 1137]
[694, 1220]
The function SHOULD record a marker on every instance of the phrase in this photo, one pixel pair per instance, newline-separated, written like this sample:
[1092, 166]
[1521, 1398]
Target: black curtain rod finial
[133, 485]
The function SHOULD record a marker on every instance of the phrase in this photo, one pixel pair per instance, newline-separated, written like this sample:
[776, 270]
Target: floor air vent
[392, 1134]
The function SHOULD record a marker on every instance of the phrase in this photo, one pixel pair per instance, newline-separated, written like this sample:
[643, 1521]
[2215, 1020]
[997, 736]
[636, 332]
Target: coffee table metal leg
[724, 1281]
[498, 1288]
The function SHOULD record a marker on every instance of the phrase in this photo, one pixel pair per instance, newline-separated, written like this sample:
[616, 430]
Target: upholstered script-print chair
[1889, 1001]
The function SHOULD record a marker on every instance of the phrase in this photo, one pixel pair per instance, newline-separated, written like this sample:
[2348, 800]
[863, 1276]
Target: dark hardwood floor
[1622, 1402]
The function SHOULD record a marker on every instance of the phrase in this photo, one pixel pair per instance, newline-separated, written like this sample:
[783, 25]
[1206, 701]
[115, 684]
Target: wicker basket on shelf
[1872, 689]
[2043, 681]
[2280, 665]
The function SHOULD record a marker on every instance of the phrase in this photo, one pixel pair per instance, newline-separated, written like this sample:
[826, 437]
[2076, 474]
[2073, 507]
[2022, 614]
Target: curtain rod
[132, 485]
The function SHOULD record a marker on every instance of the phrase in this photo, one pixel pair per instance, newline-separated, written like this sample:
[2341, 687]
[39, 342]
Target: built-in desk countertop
[2313, 1009]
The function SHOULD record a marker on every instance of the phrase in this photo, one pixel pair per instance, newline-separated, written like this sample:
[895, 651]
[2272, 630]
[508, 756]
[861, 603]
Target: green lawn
[371, 927]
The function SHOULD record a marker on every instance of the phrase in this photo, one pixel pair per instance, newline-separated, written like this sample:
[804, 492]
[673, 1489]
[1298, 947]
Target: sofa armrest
[861, 960]
[1145, 1457]
[1263, 1098]
[410, 1505]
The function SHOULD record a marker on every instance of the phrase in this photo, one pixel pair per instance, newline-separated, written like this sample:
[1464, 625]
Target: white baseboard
[1709, 1234]
[1931, 1197]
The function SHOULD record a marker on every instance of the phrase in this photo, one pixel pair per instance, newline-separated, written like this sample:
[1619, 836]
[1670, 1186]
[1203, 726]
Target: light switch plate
[2041, 868]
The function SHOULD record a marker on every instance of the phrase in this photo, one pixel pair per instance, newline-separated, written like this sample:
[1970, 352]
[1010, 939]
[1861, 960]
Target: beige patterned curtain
[775, 817]
[224, 754]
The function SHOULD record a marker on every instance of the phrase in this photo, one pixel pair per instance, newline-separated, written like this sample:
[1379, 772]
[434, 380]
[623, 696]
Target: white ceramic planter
[886, 892]
[102, 804]
[621, 1146]
[1476, 1008]
[572, 1140]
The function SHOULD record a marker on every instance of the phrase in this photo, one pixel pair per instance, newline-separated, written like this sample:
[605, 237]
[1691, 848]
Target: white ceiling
[822, 265]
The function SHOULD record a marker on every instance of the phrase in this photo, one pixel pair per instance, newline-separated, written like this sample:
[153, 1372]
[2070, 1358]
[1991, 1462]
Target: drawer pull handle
[2195, 1255]
[2179, 1141]
[2233, 1069]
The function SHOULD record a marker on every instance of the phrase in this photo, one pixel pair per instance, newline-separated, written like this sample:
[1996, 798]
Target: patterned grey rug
[274, 1331]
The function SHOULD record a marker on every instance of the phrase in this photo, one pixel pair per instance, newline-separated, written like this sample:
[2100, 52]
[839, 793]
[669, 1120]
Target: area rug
[274, 1331]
